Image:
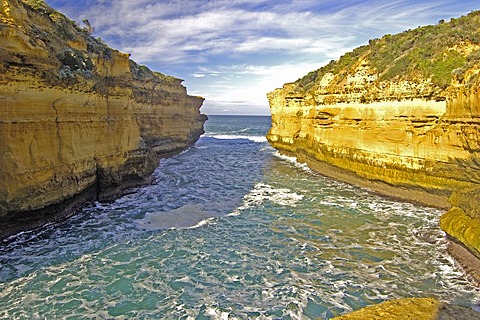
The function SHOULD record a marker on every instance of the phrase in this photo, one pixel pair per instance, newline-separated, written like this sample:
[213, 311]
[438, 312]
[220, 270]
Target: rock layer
[412, 308]
[407, 135]
[78, 120]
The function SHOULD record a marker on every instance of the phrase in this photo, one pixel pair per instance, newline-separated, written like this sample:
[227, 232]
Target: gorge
[230, 227]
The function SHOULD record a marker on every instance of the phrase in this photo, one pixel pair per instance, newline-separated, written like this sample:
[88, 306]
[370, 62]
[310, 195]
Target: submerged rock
[187, 216]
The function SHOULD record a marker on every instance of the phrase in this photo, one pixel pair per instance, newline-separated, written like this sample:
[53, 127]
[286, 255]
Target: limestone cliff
[400, 115]
[412, 308]
[78, 120]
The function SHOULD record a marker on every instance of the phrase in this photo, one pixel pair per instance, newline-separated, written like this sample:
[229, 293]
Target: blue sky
[232, 52]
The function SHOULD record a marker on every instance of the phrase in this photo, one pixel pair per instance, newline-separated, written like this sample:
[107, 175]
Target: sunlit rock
[400, 116]
[78, 120]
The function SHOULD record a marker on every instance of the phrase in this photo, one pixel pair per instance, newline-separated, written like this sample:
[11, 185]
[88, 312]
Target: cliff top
[37, 37]
[435, 54]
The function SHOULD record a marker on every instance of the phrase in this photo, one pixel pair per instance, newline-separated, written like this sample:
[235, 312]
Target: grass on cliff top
[64, 30]
[421, 53]
[37, 4]
[55, 29]
[142, 72]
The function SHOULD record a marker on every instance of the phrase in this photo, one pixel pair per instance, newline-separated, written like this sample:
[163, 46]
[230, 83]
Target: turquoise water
[231, 230]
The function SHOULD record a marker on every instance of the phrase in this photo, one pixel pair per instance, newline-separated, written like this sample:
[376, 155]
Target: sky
[233, 52]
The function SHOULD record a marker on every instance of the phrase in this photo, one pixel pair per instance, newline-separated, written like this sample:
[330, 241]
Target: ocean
[231, 229]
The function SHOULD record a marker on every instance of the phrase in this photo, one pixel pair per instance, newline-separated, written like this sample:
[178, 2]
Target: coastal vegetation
[430, 52]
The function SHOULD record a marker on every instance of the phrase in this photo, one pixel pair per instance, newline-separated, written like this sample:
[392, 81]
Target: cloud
[173, 31]
[234, 51]
[243, 87]
[194, 31]
[170, 33]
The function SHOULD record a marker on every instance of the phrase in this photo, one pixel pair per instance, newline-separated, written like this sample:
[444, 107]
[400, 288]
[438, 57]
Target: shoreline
[17, 222]
[415, 196]
[466, 260]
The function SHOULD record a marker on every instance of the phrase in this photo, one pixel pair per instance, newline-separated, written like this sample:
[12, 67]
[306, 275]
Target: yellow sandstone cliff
[400, 116]
[78, 120]
[412, 308]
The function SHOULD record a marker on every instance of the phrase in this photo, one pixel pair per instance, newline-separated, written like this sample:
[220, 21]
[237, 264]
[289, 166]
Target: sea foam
[257, 139]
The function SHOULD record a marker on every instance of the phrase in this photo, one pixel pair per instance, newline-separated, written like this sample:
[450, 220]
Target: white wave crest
[258, 139]
[264, 192]
[293, 160]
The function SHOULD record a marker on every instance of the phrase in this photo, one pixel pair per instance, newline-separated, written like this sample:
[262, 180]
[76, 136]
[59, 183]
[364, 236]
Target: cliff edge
[401, 116]
[78, 120]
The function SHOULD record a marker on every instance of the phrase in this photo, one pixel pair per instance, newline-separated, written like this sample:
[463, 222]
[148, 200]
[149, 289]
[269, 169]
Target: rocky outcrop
[405, 134]
[412, 308]
[78, 120]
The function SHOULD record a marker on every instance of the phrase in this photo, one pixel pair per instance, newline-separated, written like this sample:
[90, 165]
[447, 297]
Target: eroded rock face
[412, 308]
[414, 143]
[410, 139]
[78, 118]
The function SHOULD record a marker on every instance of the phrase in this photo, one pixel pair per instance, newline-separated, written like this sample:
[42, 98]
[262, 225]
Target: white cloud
[155, 33]
[243, 88]
[178, 31]
[234, 51]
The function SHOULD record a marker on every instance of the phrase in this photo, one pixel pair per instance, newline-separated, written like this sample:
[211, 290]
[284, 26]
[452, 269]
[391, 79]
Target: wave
[293, 160]
[262, 192]
[257, 139]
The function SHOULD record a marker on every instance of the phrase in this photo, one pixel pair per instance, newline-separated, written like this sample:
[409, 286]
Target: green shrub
[76, 60]
[442, 69]
[423, 52]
